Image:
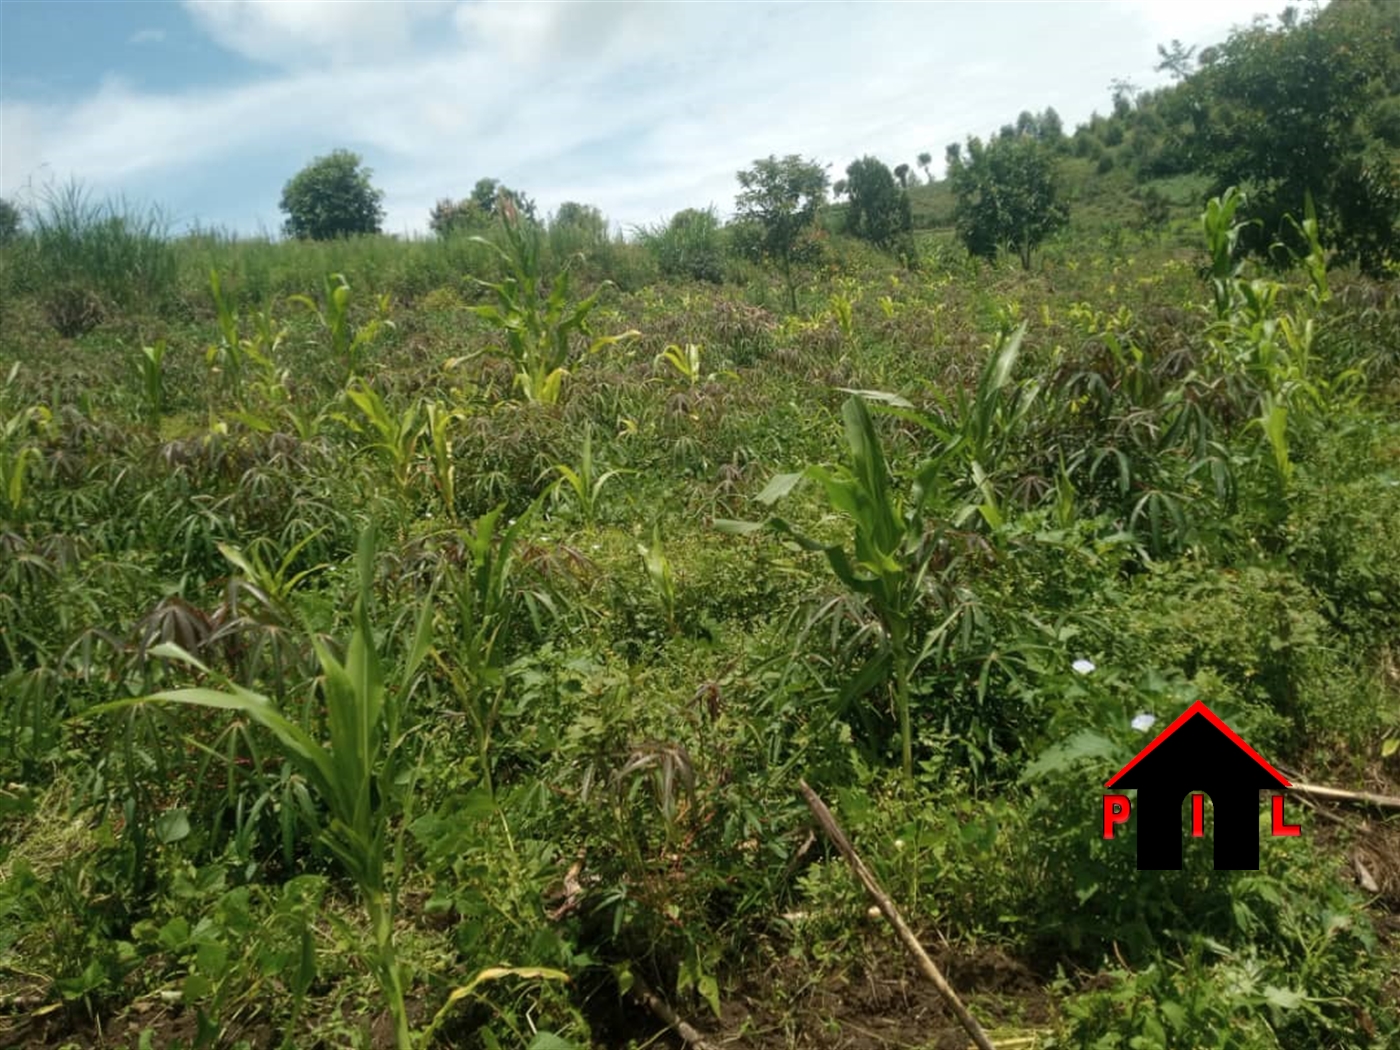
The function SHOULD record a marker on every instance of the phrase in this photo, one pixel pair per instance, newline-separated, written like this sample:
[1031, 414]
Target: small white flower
[898, 843]
[1143, 722]
[1082, 666]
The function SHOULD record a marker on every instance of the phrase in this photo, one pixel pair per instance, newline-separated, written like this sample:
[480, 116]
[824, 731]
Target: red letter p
[1116, 810]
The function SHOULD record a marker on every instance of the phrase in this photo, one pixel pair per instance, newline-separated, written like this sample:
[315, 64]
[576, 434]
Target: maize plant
[398, 437]
[584, 480]
[361, 774]
[539, 328]
[888, 559]
[150, 367]
[19, 457]
[349, 341]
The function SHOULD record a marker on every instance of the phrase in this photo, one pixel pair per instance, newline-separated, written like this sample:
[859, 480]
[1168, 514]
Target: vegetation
[781, 198]
[400, 646]
[332, 197]
[879, 210]
[10, 221]
[1329, 74]
[1007, 194]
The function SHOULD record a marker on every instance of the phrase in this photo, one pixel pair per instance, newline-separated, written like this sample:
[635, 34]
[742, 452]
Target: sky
[207, 107]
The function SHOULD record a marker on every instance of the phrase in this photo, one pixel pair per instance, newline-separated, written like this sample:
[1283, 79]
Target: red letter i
[1198, 816]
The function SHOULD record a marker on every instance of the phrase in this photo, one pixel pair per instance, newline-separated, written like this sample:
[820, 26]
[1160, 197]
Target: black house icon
[1198, 752]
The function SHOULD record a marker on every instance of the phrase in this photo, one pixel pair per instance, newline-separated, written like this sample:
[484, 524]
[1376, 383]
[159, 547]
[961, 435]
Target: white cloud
[641, 109]
[147, 36]
[298, 33]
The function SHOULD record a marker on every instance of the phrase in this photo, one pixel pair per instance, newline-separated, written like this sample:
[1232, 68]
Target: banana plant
[358, 774]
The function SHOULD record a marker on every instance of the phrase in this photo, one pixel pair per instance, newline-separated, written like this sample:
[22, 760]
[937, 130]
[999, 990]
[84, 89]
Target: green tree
[577, 227]
[10, 222]
[450, 217]
[925, 159]
[879, 210]
[475, 213]
[332, 197]
[487, 194]
[1283, 112]
[1006, 195]
[781, 198]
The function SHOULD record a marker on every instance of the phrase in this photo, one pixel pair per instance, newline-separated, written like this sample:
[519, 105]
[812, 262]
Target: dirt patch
[884, 1003]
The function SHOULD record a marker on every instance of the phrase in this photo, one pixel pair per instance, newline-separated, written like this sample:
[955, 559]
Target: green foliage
[477, 213]
[780, 198]
[539, 328]
[690, 246]
[87, 256]
[11, 222]
[1283, 111]
[879, 209]
[1007, 195]
[349, 341]
[332, 197]
[1090, 496]
[359, 774]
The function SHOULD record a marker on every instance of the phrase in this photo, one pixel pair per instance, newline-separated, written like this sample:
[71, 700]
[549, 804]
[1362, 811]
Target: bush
[9, 222]
[690, 246]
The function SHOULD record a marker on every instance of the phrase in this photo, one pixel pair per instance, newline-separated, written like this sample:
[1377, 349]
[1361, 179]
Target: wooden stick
[661, 1009]
[882, 900]
[1364, 798]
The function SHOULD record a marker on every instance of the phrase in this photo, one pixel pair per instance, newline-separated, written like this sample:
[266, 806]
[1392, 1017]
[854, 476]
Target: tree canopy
[879, 209]
[781, 198]
[332, 197]
[1287, 111]
[1006, 194]
[474, 213]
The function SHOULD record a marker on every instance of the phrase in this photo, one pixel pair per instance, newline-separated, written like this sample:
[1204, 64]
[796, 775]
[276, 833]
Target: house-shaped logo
[1196, 753]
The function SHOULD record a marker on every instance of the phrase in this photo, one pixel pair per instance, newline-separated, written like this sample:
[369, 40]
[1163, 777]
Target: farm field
[479, 719]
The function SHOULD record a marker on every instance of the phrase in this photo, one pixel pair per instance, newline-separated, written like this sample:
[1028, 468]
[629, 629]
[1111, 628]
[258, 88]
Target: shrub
[690, 246]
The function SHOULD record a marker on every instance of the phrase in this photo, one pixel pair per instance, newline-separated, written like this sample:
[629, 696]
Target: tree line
[1307, 109]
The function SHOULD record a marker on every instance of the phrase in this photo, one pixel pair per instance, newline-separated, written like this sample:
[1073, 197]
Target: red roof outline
[1199, 708]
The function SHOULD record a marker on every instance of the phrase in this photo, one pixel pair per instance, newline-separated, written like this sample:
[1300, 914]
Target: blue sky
[207, 107]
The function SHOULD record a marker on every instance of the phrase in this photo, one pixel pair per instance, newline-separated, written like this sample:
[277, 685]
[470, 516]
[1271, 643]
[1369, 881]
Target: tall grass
[112, 248]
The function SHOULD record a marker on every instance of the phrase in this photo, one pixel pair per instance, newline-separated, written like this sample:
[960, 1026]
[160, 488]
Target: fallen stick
[1364, 798]
[882, 900]
[662, 1009]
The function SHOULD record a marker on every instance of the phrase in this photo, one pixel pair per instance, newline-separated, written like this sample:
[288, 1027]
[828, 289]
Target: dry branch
[1364, 798]
[882, 900]
[653, 1002]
